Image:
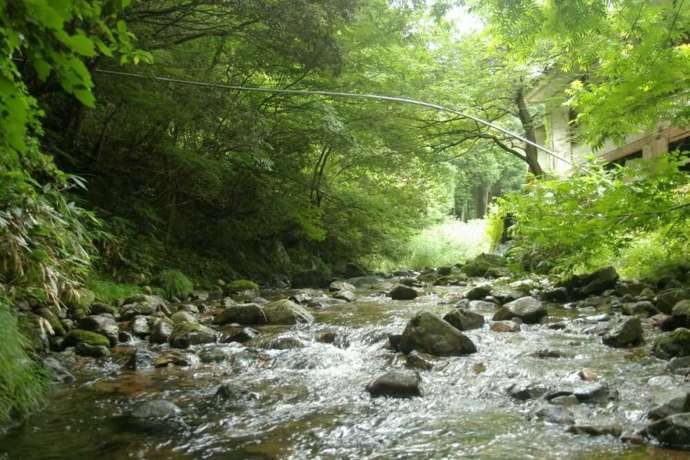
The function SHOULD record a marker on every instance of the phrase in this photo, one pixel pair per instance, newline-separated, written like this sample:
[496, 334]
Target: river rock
[415, 360]
[641, 308]
[396, 384]
[672, 431]
[58, 371]
[161, 331]
[230, 391]
[624, 334]
[672, 345]
[213, 355]
[505, 326]
[595, 283]
[464, 320]
[286, 343]
[676, 405]
[527, 309]
[347, 296]
[186, 334]
[668, 298]
[558, 415]
[99, 308]
[401, 292]
[336, 286]
[174, 358]
[429, 333]
[286, 312]
[183, 316]
[77, 336]
[237, 333]
[677, 364]
[247, 314]
[593, 393]
[526, 391]
[597, 430]
[94, 351]
[143, 305]
[140, 359]
[140, 326]
[478, 292]
[102, 324]
[486, 265]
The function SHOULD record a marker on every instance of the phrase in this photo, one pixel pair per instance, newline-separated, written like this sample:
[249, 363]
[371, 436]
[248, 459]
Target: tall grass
[22, 380]
[444, 244]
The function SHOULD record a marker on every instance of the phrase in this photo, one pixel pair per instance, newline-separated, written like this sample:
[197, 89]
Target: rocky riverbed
[430, 365]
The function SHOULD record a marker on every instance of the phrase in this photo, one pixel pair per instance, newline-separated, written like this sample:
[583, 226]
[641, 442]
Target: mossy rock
[673, 345]
[185, 334]
[77, 336]
[174, 283]
[242, 285]
[488, 265]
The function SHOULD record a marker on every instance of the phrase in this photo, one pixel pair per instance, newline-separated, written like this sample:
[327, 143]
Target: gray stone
[429, 333]
[464, 320]
[526, 391]
[593, 393]
[140, 326]
[668, 298]
[396, 384]
[187, 334]
[624, 334]
[94, 351]
[597, 430]
[676, 405]
[183, 316]
[527, 309]
[336, 286]
[161, 331]
[558, 415]
[641, 308]
[237, 333]
[415, 360]
[347, 296]
[505, 326]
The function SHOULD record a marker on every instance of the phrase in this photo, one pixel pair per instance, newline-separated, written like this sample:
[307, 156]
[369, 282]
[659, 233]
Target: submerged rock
[464, 320]
[401, 292]
[505, 326]
[58, 371]
[155, 416]
[597, 430]
[527, 309]
[555, 414]
[526, 391]
[415, 360]
[624, 334]
[396, 384]
[429, 333]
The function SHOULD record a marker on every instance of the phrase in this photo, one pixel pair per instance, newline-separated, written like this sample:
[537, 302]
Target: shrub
[175, 284]
[628, 216]
[112, 291]
[242, 285]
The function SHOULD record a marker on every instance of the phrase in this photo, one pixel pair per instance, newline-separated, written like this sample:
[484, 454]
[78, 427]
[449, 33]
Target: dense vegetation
[113, 182]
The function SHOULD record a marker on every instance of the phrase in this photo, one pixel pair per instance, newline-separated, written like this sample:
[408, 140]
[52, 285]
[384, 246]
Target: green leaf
[81, 44]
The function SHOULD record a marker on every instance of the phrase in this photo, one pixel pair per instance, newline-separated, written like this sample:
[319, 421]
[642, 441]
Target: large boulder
[286, 312]
[464, 320]
[672, 345]
[673, 406]
[245, 314]
[102, 324]
[624, 334]
[161, 331]
[402, 292]
[672, 431]
[595, 283]
[429, 333]
[527, 309]
[396, 384]
[478, 292]
[680, 316]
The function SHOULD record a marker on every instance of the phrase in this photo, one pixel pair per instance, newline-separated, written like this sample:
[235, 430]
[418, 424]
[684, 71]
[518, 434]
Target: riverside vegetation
[195, 272]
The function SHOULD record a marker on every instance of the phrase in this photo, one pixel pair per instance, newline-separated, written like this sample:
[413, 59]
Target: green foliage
[242, 285]
[495, 226]
[619, 47]
[22, 380]
[111, 291]
[175, 284]
[606, 217]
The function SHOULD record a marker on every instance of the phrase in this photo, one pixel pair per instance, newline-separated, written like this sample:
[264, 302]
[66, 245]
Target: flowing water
[310, 402]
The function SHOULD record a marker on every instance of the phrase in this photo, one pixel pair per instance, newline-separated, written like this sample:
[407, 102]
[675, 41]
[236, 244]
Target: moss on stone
[76, 336]
[242, 285]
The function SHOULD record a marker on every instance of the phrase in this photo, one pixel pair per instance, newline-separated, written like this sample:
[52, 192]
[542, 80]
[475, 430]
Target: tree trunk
[531, 152]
